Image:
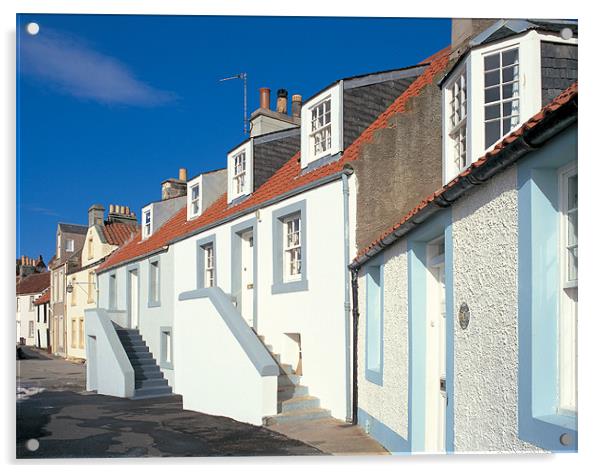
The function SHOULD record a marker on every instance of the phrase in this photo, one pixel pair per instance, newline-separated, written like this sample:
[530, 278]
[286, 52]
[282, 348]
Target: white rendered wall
[388, 403]
[486, 353]
[24, 316]
[214, 374]
[317, 314]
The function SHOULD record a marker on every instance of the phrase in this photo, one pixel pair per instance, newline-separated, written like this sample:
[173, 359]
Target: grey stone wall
[401, 165]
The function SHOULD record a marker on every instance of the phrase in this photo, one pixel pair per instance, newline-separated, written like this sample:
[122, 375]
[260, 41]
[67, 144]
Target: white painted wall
[388, 403]
[214, 374]
[317, 314]
[486, 353]
[25, 316]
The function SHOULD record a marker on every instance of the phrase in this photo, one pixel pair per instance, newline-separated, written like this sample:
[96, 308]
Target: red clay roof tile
[34, 283]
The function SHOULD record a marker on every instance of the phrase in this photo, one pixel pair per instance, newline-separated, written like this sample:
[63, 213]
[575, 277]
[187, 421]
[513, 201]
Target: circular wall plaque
[464, 315]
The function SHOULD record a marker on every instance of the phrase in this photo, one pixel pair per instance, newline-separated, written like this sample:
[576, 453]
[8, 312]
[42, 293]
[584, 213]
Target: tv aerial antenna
[243, 77]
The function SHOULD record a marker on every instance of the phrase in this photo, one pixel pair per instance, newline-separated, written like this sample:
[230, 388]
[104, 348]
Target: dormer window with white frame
[240, 171]
[322, 125]
[194, 197]
[147, 229]
[493, 90]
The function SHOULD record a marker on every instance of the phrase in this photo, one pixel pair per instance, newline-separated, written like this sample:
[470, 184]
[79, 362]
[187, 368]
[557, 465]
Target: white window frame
[209, 267]
[31, 299]
[235, 175]
[290, 249]
[335, 95]
[567, 319]
[147, 221]
[191, 211]
[70, 245]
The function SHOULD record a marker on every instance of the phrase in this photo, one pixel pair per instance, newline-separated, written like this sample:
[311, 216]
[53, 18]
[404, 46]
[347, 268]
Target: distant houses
[399, 251]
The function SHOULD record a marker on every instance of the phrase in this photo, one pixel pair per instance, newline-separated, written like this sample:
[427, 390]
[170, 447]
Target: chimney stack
[121, 213]
[296, 103]
[264, 98]
[173, 187]
[96, 215]
[282, 101]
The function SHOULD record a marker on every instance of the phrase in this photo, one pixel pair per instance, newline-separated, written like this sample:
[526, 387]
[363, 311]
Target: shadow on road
[76, 425]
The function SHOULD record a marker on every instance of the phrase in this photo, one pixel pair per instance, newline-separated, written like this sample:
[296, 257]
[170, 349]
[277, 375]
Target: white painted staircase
[294, 402]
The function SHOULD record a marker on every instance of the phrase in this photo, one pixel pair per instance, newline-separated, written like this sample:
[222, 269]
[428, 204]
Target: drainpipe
[347, 305]
[356, 316]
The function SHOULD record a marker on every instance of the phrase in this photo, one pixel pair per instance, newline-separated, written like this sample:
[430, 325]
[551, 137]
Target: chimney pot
[264, 98]
[182, 174]
[282, 101]
[296, 103]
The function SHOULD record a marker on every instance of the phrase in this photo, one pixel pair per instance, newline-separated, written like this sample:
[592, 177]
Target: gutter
[531, 139]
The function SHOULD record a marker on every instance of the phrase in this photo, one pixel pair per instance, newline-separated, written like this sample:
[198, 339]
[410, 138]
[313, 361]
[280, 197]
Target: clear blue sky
[109, 106]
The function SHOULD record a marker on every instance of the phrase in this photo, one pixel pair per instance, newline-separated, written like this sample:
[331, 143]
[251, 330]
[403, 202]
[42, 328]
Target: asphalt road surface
[56, 418]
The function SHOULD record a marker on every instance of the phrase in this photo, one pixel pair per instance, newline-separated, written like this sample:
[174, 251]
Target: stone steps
[148, 378]
[294, 404]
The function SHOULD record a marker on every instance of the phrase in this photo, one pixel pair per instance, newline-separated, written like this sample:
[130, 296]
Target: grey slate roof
[73, 228]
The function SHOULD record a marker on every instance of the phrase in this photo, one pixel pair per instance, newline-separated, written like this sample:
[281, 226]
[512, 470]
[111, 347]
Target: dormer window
[70, 245]
[147, 224]
[240, 171]
[501, 78]
[322, 126]
[491, 92]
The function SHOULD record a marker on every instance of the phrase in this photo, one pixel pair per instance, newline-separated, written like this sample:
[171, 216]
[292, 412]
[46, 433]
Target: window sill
[545, 432]
[166, 365]
[289, 286]
[375, 377]
[154, 303]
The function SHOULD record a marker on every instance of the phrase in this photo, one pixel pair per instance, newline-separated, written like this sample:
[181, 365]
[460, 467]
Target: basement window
[166, 356]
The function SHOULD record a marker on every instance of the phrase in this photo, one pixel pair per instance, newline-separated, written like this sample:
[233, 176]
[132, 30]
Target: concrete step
[302, 415]
[145, 393]
[143, 362]
[130, 338]
[138, 355]
[288, 380]
[142, 348]
[140, 376]
[291, 391]
[150, 383]
[285, 368]
[299, 403]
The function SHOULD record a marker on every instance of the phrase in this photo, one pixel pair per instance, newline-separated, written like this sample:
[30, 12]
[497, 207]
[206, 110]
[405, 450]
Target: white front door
[246, 279]
[133, 302]
[436, 389]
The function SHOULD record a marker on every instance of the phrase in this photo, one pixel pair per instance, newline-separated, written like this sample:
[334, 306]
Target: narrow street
[56, 418]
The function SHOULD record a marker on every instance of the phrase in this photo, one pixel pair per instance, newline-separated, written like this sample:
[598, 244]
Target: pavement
[57, 418]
